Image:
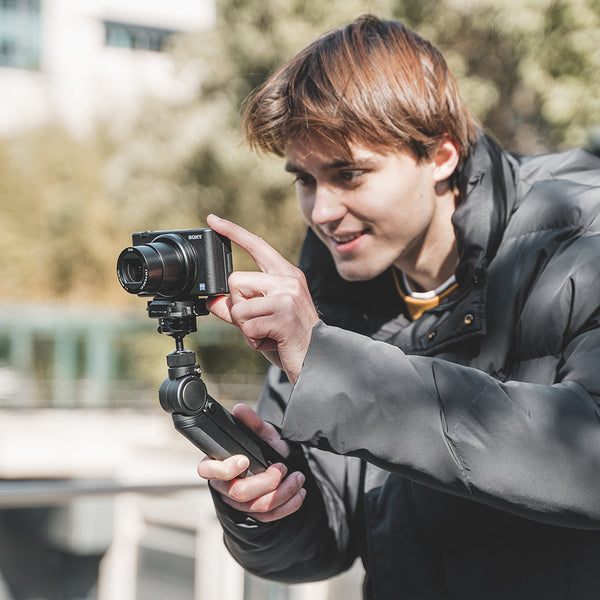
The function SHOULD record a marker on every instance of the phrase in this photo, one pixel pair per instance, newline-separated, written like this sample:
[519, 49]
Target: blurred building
[80, 61]
[99, 499]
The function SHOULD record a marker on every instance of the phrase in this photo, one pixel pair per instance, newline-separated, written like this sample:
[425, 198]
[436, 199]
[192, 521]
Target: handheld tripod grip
[196, 415]
[210, 427]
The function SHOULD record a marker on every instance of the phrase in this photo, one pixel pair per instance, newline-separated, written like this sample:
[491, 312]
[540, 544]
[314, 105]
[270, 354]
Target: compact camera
[176, 264]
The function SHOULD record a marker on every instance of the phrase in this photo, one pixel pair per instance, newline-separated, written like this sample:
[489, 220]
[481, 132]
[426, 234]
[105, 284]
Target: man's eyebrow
[336, 164]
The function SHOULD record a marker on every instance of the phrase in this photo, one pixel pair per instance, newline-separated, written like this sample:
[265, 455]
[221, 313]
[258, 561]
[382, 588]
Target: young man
[438, 409]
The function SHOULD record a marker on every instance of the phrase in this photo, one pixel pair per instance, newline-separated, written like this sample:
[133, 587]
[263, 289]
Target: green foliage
[529, 69]
[57, 221]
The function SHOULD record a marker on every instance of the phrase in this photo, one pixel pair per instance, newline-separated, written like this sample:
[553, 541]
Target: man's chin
[357, 273]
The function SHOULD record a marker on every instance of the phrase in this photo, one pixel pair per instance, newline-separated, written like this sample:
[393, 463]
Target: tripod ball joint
[186, 395]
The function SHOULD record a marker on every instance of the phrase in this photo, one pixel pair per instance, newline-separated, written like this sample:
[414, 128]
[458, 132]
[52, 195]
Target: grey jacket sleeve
[530, 449]
[314, 543]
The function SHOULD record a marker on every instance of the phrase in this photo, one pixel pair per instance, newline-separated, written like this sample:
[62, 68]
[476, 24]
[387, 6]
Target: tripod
[196, 415]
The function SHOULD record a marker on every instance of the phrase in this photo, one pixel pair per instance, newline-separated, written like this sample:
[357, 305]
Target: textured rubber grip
[220, 435]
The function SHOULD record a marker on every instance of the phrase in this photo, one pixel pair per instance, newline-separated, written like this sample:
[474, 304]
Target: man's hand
[273, 309]
[267, 496]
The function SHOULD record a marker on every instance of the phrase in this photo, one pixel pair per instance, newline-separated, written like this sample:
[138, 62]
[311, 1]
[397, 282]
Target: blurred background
[122, 115]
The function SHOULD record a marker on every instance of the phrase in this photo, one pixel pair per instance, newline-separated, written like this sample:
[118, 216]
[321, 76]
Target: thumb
[220, 306]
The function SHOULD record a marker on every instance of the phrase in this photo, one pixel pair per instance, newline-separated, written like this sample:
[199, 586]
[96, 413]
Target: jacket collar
[487, 189]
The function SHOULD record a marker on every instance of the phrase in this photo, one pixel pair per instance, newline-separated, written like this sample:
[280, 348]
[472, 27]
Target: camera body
[180, 264]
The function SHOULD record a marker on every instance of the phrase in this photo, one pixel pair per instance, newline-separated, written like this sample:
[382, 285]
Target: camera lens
[133, 270]
[161, 267]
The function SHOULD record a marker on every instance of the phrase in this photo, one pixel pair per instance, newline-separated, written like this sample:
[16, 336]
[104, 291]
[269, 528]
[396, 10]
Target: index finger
[267, 258]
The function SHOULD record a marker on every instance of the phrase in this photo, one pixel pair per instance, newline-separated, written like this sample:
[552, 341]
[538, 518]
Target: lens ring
[132, 270]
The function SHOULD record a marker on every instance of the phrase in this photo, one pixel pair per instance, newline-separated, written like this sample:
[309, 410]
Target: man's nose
[327, 206]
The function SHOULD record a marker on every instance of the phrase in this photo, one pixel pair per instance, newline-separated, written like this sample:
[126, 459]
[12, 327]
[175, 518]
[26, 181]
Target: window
[20, 33]
[136, 37]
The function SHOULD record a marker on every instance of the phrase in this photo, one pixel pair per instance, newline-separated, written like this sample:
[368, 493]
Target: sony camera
[177, 264]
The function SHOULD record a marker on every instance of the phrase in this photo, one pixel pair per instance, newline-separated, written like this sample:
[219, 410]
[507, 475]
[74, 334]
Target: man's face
[377, 210]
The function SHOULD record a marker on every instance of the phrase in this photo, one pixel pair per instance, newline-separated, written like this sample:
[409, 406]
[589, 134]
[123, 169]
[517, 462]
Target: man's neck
[430, 279]
[437, 257]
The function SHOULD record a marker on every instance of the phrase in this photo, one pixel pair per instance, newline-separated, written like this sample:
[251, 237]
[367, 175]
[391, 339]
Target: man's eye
[303, 179]
[351, 176]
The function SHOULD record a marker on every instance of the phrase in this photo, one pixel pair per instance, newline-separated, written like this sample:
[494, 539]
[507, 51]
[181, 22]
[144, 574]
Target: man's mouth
[344, 239]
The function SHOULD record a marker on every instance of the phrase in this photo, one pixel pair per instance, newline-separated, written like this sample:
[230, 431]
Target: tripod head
[177, 318]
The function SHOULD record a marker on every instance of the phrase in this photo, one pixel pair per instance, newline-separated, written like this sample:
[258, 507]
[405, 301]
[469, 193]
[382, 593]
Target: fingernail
[301, 479]
[302, 493]
[283, 469]
[243, 462]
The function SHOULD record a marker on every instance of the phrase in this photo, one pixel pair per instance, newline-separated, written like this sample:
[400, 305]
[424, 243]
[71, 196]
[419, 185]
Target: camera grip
[219, 435]
[203, 421]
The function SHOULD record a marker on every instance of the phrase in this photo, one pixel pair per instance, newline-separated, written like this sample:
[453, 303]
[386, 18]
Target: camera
[178, 264]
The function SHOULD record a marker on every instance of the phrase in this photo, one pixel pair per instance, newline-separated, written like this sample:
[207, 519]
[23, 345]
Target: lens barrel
[162, 267]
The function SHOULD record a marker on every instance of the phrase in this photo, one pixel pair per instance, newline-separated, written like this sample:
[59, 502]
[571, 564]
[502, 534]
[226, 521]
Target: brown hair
[372, 82]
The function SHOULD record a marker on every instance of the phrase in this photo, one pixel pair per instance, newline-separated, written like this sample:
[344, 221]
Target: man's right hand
[266, 496]
[272, 308]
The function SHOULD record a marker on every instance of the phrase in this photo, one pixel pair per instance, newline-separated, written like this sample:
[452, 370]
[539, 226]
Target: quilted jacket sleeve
[530, 449]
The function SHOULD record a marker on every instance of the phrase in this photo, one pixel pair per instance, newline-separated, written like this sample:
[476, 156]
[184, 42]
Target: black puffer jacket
[457, 455]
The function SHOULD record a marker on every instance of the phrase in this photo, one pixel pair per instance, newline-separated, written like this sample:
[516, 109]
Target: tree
[57, 221]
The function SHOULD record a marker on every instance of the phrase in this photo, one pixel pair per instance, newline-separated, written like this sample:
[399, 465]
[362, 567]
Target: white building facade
[80, 61]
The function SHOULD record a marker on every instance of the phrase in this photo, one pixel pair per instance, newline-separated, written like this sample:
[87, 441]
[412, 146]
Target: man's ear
[445, 158]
